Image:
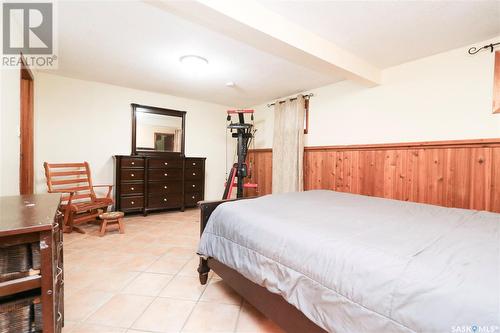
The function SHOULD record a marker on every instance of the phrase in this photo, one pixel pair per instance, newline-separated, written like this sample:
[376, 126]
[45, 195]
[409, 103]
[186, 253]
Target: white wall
[9, 131]
[88, 121]
[10, 90]
[443, 97]
[446, 96]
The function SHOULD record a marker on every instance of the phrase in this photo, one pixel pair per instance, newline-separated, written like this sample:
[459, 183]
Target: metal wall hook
[474, 50]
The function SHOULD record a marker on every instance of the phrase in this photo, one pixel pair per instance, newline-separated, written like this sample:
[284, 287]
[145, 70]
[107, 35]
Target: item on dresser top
[157, 175]
[157, 131]
[80, 203]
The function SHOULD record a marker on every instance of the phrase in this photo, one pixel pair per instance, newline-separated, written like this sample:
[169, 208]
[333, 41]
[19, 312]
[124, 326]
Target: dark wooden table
[30, 219]
[27, 213]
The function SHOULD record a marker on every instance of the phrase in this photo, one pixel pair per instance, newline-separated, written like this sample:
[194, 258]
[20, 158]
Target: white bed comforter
[353, 263]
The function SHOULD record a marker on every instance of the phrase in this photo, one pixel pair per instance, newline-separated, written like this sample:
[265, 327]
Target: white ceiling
[137, 45]
[388, 33]
[134, 44]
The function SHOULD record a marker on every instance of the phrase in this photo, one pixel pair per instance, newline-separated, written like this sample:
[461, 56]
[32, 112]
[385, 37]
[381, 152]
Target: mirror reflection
[158, 132]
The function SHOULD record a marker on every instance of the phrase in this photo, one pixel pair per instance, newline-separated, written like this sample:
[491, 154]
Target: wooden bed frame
[273, 306]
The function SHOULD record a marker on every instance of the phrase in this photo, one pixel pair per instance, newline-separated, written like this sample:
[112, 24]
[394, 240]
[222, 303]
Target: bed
[320, 261]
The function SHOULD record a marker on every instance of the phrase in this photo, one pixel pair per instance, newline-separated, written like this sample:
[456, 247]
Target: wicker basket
[21, 316]
[17, 260]
[35, 255]
[37, 313]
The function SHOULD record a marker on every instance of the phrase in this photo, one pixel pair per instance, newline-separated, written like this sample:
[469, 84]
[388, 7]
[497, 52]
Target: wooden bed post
[203, 271]
[206, 209]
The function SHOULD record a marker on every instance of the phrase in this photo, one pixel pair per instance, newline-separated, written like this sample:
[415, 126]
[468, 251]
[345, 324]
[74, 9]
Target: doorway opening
[26, 168]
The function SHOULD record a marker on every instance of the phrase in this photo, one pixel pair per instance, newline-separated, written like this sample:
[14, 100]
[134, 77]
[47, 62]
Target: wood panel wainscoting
[460, 173]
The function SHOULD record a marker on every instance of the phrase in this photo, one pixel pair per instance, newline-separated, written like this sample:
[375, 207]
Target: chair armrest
[110, 187]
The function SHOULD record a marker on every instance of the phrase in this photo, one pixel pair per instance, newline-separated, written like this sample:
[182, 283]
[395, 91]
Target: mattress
[354, 263]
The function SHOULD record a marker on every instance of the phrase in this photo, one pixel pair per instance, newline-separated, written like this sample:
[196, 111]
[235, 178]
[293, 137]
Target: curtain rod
[291, 99]
[474, 50]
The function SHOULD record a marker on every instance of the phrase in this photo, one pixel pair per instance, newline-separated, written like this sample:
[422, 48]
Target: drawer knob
[166, 163]
[132, 189]
[194, 173]
[131, 202]
[194, 163]
[164, 199]
[166, 174]
[133, 163]
[132, 175]
[165, 187]
[194, 185]
[192, 197]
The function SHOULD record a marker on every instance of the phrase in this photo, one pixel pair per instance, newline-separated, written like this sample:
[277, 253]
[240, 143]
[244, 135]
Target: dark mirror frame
[156, 110]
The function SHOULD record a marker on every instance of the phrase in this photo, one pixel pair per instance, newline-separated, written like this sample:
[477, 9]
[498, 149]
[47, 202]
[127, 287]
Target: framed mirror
[157, 131]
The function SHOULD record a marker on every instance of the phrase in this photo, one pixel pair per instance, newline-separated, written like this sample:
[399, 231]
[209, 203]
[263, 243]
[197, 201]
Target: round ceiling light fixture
[193, 60]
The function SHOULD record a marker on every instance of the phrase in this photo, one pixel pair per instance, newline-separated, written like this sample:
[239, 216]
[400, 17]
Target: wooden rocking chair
[80, 204]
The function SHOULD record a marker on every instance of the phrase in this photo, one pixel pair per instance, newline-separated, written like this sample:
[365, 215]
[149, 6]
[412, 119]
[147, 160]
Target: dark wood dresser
[148, 183]
[31, 264]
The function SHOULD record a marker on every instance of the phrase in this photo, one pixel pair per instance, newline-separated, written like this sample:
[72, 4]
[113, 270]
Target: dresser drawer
[131, 175]
[136, 202]
[163, 163]
[191, 199]
[132, 162]
[160, 174]
[193, 173]
[170, 187]
[160, 181]
[193, 185]
[194, 162]
[165, 201]
[131, 189]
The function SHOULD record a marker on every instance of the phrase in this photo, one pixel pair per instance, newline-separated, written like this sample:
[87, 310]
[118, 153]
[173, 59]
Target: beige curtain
[288, 146]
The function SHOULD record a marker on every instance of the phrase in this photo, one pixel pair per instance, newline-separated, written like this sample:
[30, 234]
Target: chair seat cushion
[89, 205]
[104, 201]
[111, 215]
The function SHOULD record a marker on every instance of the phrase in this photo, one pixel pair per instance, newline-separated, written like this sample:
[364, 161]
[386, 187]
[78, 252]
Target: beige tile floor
[146, 281]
